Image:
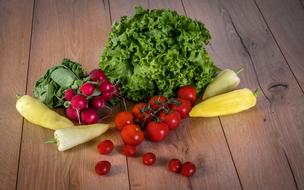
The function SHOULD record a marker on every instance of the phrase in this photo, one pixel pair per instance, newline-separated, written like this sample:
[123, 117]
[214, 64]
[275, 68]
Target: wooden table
[262, 148]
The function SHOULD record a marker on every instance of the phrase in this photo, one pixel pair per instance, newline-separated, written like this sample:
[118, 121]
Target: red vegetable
[188, 169]
[182, 106]
[175, 165]
[103, 167]
[79, 102]
[157, 131]
[149, 158]
[98, 102]
[132, 135]
[122, 119]
[87, 89]
[129, 150]
[71, 113]
[157, 101]
[188, 93]
[69, 93]
[89, 116]
[172, 118]
[105, 147]
[98, 75]
[136, 111]
[106, 87]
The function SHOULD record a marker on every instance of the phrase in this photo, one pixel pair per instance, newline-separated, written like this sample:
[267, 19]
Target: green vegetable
[156, 52]
[69, 137]
[50, 88]
[226, 81]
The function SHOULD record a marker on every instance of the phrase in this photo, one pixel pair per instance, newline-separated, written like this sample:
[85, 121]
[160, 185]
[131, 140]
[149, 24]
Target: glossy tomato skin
[129, 150]
[122, 119]
[172, 118]
[140, 115]
[157, 101]
[149, 158]
[157, 131]
[187, 92]
[103, 167]
[174, 165]
[105, 147]
[183, 107]
[188, 169]
[132, 135]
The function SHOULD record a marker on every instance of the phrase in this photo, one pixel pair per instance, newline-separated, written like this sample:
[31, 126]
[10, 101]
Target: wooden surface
[262, 148]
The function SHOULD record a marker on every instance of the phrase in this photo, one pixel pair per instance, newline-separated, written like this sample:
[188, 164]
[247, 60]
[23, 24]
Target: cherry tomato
[103, 167]
[174, 165]
[188, 169]
[122, 119]
[172, 118]
[182, 106]
[137, 111]
[157, 131]
[188, 93]
[157, 101]
[129, 150]
[149, 158]
[132, 135]
[105, 147]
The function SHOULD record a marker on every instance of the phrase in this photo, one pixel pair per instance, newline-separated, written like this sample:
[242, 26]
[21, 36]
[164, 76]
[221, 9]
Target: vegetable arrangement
[158, 59]
[157, 52]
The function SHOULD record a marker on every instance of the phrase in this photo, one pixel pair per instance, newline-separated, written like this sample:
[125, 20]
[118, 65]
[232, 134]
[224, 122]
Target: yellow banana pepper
[225, 104]
[38, 113]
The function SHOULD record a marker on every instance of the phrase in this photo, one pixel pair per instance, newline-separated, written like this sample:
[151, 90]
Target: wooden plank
[258, 139]
[286, 22]
[77, 30]
[198, 140]
[15, 33]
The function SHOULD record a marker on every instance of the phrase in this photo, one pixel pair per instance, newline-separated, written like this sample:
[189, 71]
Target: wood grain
[77, 30]
[240, 39]
[15, 33]
[198, 140]
[286, 22]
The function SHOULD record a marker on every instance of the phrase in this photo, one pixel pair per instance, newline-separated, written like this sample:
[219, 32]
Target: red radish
[89, 116]
[69, 93]
[98, 75]
[79, 102]
[107, 96]
[105, 147]
[103, 167]
[98, 102]
[115, 90]
[71, 113]
[87, 89]
[106, 87]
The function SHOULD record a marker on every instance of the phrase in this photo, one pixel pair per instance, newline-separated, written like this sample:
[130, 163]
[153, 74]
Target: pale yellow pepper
[225, 104]
[37, 113]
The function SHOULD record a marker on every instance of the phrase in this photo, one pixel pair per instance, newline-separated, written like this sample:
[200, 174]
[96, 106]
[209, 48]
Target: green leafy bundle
[50, 88]
[156, 52]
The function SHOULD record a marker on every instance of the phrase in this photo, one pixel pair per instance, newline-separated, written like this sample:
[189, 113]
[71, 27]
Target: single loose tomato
[149, 158]
[175, 165]
[188, 169]
[187, 92]
[182, 106]
[157, 101]
[103, 167]
[157, 131]
[122, 119]
[172, 118]
[105, 147]
[129, 150]
[132, 135]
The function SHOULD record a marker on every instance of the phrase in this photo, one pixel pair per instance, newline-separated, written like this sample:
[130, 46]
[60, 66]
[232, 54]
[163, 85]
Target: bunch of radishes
[91, 97]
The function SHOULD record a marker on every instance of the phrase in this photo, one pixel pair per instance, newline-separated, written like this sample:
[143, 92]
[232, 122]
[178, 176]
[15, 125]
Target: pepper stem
[18, 96]
[51, 141]
[239, 70]
[256, 92]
